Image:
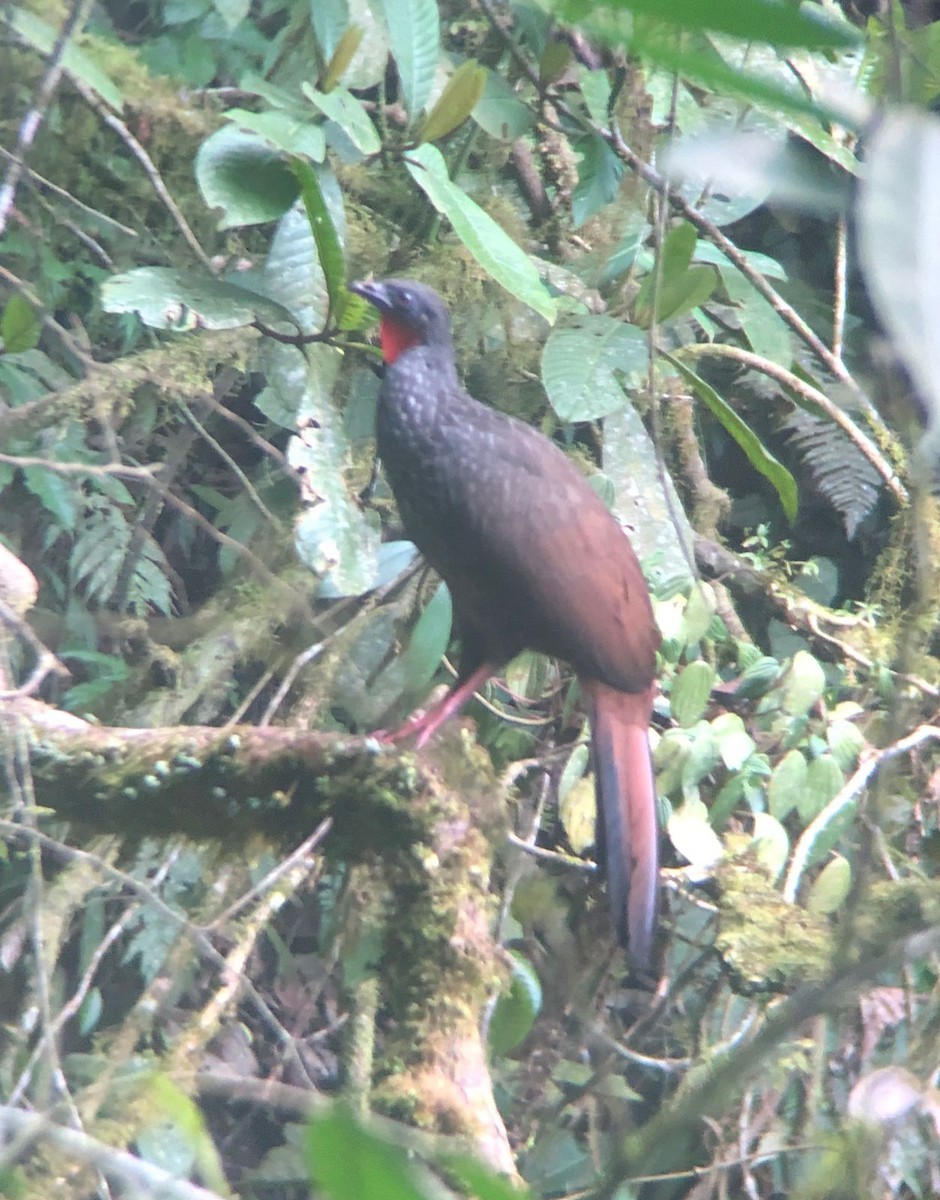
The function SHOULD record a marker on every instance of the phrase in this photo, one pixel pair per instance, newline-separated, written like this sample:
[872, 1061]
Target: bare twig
[33, 119]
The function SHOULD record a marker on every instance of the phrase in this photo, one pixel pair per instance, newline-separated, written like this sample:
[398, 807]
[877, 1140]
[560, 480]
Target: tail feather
[628, 830]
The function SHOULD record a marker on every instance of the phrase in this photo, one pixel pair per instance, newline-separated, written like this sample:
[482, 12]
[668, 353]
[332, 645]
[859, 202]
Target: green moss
[766, 944]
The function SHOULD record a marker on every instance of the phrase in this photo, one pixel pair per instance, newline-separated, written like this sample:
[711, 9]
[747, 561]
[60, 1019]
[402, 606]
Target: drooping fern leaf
[843, 475]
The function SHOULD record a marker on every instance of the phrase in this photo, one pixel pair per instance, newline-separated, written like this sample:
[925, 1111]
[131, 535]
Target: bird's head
[412, 314]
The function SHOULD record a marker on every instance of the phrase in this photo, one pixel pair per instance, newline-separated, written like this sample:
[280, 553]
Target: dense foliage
[675, 237]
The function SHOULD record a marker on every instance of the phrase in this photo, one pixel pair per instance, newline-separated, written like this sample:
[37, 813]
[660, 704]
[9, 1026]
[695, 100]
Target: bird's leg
[426, 724]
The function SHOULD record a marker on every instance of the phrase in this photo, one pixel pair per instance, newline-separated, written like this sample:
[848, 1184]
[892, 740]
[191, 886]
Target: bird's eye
[407, 297]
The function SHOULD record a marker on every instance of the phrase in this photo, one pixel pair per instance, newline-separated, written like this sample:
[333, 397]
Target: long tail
[628, 829]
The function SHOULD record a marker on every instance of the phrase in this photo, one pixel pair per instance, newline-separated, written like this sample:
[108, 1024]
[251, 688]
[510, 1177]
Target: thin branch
[33, 119]
[31, 1129]
[98, 470]
[149, 167]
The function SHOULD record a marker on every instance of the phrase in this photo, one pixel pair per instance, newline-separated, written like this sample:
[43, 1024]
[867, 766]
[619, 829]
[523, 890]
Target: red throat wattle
[396, 338]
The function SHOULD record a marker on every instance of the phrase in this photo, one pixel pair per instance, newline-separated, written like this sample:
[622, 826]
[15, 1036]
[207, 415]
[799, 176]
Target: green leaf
[241, 174]
[19, 325]
[846, 742]
[428, 641]
[691, 692]
[414, 28]
[698, 615]
[824, 781]
[346, 1161]
[771, 844]
[347, 112]
[596, 92]
[457, 101]
[330, 20]
[657, 44]
[804, 684]
[691, 834]
[577, 810]
[757, 454]
[599, 175]
[282, 131]
[758, 677]
[735, 744]
[56, 493]
[787, 784]
[493, 249]
[584, 361]
[232, 12]
[753, 20]
[333, 536]
[831, 888]
[516, 1010]
[165, 298]
[500, 112]
[479, 1181]
[332, 259]
[41, 36]
[343, 55]
[555, 60]
[676, 295]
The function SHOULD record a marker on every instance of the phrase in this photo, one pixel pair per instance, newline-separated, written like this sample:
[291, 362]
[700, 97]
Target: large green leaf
[414, 29]
[584, 361]
[489, 244]
[753, 20]
[166, 298]
[244, 176]
[757, 453]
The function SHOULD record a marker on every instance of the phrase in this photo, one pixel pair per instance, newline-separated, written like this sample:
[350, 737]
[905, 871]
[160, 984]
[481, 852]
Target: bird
[533, 560]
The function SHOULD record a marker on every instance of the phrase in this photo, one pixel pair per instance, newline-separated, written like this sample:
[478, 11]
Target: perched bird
[533, 560]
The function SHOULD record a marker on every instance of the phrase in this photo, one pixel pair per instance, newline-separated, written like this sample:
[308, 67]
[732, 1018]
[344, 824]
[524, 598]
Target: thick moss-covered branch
[430, 832]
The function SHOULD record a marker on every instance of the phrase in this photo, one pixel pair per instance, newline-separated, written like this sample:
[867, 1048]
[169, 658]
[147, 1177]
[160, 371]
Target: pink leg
[426, 724]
